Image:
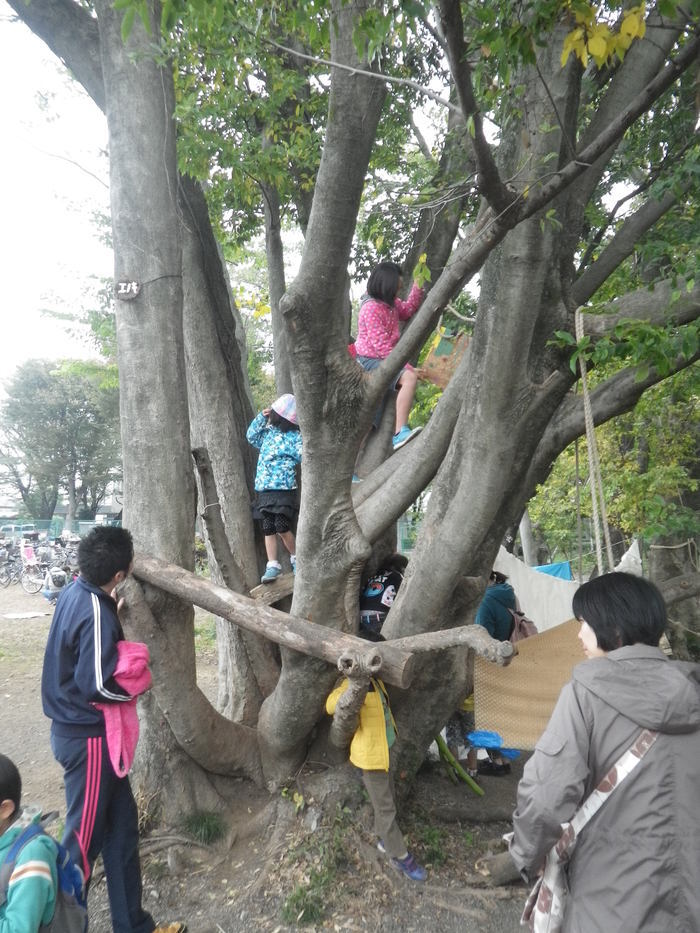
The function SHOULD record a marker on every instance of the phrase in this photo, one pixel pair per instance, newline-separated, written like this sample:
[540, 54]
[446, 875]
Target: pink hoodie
[121, 719]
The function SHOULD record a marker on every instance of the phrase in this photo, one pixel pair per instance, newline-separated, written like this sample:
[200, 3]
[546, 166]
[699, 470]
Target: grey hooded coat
[636, 865]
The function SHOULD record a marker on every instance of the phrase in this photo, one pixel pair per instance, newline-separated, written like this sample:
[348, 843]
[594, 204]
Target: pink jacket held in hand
[121, 719]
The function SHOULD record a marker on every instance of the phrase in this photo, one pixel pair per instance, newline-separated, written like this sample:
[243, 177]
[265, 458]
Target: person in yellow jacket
[369, 751]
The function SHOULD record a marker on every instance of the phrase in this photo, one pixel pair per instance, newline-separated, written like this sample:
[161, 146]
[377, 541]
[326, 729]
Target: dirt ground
[309, 876]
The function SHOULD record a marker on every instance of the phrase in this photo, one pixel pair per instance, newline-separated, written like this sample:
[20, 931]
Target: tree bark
[158, 489]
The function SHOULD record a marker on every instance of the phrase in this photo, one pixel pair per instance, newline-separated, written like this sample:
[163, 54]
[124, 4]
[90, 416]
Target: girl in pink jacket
[378, 333]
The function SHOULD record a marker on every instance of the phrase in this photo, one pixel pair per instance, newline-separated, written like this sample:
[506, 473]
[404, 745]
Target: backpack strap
[10, 860]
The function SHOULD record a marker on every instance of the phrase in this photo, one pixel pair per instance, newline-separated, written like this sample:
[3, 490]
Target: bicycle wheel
[32, 580]
[4, 576]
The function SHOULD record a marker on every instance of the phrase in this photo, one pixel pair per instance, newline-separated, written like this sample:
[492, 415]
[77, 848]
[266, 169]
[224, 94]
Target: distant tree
[59, 430]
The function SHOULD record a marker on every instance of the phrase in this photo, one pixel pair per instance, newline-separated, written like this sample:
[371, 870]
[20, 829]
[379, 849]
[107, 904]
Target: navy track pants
[101, 816]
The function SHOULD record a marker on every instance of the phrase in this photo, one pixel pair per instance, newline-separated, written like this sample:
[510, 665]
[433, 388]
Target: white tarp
[544, 599]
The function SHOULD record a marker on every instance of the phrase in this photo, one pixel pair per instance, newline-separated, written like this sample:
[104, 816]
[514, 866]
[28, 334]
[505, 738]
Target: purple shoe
[410, 867]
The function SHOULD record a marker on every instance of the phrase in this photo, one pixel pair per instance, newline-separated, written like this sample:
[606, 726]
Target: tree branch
[654, 306]
[676, 589]
[71, 32]
[611, 398]
[490, 184]
[353, 69]
[621, 246]
[589, 154]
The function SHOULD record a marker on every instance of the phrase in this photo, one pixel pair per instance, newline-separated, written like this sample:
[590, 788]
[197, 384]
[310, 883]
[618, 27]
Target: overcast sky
[53, 145]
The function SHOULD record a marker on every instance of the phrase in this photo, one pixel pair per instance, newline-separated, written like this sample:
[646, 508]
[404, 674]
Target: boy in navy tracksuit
[80, 658]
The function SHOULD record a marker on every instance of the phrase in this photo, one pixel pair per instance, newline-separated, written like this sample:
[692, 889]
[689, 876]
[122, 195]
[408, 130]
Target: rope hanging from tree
[597, 496]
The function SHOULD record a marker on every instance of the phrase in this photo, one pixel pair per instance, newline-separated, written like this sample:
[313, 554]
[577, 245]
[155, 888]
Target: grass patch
[432, 845]
[306, 902]
[204, 631]
[325, 849]
[204, 825]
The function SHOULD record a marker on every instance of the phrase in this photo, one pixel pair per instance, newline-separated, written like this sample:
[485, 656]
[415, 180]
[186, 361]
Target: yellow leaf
[630, 25]
[598, 48]
[526, 191]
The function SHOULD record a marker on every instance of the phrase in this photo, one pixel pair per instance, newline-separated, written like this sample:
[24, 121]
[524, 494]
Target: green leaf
[127, 23]
[145, 18]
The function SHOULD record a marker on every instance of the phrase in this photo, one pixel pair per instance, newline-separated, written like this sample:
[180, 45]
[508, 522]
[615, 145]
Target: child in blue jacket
[275, 432]
[32, 884]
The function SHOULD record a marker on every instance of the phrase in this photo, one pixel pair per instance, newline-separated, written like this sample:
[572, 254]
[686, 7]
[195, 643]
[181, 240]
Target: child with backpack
[28, 866]
[370, 752]
[275, 433]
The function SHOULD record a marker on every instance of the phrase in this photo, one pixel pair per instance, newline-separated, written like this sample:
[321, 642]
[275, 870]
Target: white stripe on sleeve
[97, 637]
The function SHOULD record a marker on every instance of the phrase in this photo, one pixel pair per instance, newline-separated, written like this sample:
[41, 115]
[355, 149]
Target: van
[10, 531]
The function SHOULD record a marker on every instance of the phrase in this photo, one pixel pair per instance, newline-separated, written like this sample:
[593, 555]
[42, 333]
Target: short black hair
[105, 551]
[622, 609]
[384, 282]
[497, 577]
[397, 562]
[284, 424]
[10, 782]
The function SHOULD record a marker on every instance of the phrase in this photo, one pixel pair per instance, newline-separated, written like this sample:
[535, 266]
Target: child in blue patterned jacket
[275, 432]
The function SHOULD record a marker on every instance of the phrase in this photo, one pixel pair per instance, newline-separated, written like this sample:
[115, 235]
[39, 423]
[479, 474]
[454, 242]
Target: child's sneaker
[410, 867]
[404, 436]
[293, 562]
[272, 571]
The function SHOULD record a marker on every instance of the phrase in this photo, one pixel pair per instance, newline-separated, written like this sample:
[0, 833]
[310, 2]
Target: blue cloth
[562, 570]
[280, 452]
[493, 612]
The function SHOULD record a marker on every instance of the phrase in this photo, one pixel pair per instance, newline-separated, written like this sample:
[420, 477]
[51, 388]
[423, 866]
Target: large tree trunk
[331, 549]
[158, 488]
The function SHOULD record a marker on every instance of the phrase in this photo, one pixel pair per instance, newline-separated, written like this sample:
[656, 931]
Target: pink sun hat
[286, 407]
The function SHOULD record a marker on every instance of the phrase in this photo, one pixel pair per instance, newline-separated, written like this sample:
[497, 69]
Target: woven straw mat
[517, 701]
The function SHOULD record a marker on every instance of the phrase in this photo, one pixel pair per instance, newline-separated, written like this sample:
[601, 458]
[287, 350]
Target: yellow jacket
[369, 748]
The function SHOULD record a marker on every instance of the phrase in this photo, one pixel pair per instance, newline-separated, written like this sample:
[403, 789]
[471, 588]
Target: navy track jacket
[81, 654]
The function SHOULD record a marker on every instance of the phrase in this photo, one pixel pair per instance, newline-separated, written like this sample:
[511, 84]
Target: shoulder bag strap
[622, 768]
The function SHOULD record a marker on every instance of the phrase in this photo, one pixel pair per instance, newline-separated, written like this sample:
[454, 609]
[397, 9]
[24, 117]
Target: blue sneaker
[272, 571]
[356, 478]
[410, 867]
[404, 436]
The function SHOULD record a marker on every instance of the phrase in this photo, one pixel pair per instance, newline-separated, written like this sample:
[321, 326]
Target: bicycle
[32, 578]
[10, 572]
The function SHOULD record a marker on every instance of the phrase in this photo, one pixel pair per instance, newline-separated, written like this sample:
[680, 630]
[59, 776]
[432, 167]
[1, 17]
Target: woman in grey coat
[636, 866]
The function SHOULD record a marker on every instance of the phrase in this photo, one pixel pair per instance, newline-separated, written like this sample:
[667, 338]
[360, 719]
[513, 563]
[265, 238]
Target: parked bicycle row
[45, 566]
